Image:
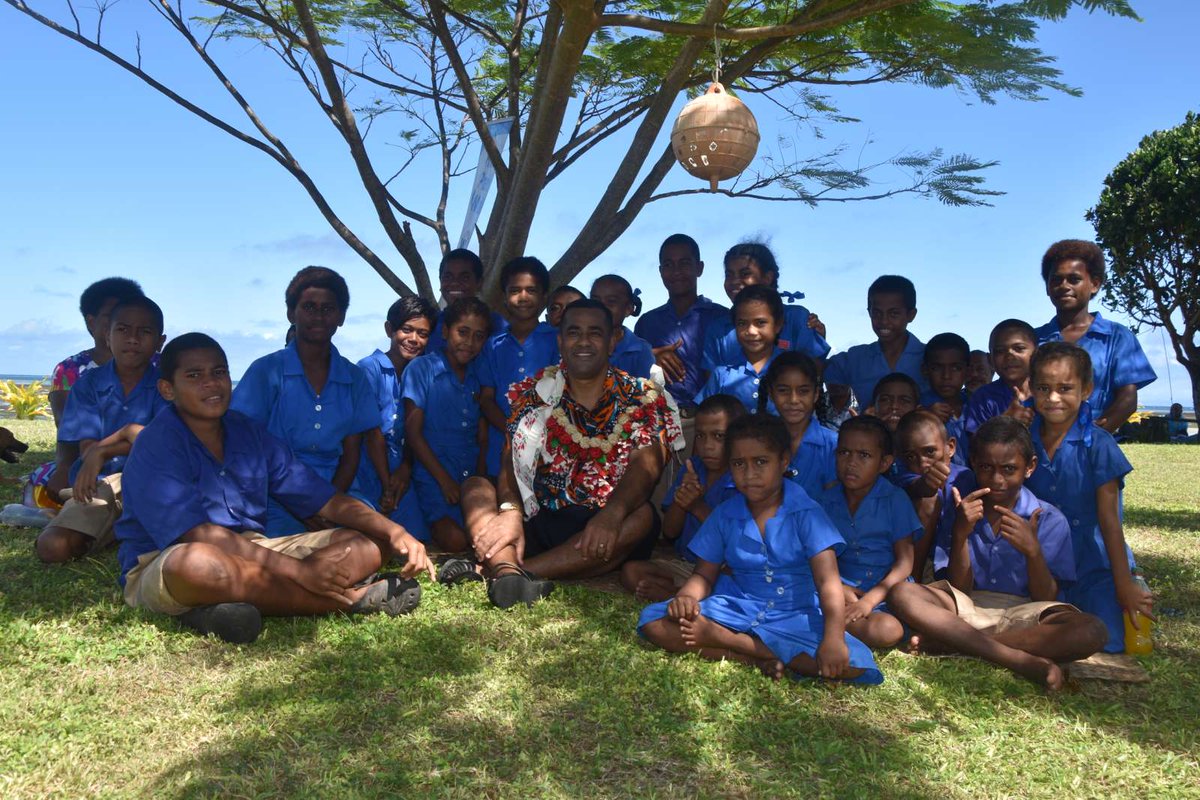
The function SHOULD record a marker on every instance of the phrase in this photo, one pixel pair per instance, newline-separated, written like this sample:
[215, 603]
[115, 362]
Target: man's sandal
[391, 594]
[236, 623]
[454, 571]
[516, 586]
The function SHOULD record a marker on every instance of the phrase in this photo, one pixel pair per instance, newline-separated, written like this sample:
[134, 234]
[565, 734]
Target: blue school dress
[1117, 358]
[504, 361]
[97, 407]
[721, 345]
[884, 517]
[956, 427]
[1088, 458]
[997, 566]
[990, 400]
[381, 374]
[632, 355]
[662, 326]
[740, 381]
[721, 490]
[770, 592]
[451, 427]
[813, 465]
[172, 483]
[275, 392]
[862, 366]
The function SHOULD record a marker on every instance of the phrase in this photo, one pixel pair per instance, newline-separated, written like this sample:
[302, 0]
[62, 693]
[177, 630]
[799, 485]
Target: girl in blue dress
[311, 397]
[409, 324]
[445, 428]
[766, 589]
[793, 384]
[757, 318]
[631, 353]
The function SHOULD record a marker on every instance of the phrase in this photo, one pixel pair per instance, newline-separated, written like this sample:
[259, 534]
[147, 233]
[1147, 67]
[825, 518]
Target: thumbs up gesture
[1017, 408]
[689, 489]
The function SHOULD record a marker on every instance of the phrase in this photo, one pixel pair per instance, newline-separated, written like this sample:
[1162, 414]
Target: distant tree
[1148, 222]
[574, 74]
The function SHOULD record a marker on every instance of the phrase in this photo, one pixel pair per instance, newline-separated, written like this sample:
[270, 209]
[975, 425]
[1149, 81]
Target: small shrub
[26, 401]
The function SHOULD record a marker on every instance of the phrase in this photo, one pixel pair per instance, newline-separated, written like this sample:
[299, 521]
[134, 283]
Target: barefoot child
[105, 411]
[1012, 345]
[758, 317]
[701, 486]
[879, 526]
[780, 552]
[192, 535]
[793, 384]
[630, 352]
[1008, 560]
[945, 364]
[1081, 469]
[442, 420]
[928, 477]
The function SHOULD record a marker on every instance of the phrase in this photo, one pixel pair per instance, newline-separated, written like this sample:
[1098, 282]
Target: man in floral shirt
[587, 444]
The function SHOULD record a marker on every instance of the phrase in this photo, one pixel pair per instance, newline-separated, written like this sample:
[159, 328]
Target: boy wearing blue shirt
[105, 411]
[929, 477]
[1073, 271]
[515, 353]
[460, 274]
[191, 535]
[1081, 469]
[944, 365]
[892, 306]
[1009, 560]
[675, 330]
[1012, 345]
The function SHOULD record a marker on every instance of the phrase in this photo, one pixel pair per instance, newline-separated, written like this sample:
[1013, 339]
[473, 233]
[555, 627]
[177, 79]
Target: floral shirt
[67, 371]
[565, 454]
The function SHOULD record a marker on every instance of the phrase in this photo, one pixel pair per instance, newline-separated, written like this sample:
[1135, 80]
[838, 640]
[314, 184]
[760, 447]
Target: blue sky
[103, 176]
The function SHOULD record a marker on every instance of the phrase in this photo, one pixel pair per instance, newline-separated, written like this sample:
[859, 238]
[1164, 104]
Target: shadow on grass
[1172, 520]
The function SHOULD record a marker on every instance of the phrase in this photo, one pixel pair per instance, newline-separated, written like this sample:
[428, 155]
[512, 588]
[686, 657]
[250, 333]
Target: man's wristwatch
[509, 507]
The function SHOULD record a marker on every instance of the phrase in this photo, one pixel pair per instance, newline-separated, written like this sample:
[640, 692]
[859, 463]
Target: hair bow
[792, 297]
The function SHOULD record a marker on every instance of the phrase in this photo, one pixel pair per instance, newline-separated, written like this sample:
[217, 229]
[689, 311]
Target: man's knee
[198, 564]
[57, 545]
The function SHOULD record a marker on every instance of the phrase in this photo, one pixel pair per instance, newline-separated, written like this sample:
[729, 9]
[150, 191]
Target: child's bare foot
[653, 589]
[925, 646]
[700, 632]
[1043, 671]
[771, 667]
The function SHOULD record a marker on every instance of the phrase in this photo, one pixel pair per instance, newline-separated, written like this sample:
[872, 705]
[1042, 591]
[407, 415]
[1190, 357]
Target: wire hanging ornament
[715, 135]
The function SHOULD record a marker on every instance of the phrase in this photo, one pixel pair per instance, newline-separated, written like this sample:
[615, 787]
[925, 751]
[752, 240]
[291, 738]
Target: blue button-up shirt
[813, 465]
[662, 326]
[884, 517]
[632, 354]
[1117, 358]
[721, 344]
[864, 365]
[956, 427]
[451, 407]
[504, 361]
[721, 490]
[437, 341]
[741, 381]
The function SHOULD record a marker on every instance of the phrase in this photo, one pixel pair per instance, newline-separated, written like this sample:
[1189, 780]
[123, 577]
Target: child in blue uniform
[758, 317]
[1081, 469]
[445, 428]
[1073, 271]
[929, 477]
[409, 323]
[979, 371]
[1008, 558]
[892, 306]
[945, 363]
[512, 355]
[753, 264]
[878, 524]
[557, 303]
[1012, 344]
[192, 542]
[307, 394]
[792, 384]
[894, 396]
[460, 274]
[702, 485]
[105, 411]
[778, 551]
[631, 352]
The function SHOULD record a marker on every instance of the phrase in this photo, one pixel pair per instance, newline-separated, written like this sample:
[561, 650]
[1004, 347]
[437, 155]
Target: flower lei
[561, 433]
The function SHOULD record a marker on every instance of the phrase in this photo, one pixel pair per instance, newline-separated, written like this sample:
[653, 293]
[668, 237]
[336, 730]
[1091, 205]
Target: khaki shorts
[996, 612]
[146, 588]
[95, 518]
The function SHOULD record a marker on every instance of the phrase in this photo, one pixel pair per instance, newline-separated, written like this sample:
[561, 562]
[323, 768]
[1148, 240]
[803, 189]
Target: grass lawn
[458, 699]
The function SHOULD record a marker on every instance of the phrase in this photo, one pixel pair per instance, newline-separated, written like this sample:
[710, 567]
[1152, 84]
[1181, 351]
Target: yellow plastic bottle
[1137, 637]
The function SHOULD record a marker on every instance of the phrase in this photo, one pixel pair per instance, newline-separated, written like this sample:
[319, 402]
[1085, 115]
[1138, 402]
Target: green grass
[97, 699]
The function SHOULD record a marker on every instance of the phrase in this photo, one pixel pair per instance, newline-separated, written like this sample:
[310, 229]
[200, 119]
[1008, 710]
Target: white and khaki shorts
[95, 518]
[996, 612]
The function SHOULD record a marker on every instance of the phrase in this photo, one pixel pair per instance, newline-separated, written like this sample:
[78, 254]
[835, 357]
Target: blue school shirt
[884, 517]
[721, 490]
[997, 566]
[1117, 358]
[275, 392]
[740, 381]
[1088, 458]
[504, 361]
[862, 366]
[451, 406]
[97, 406]
[721, 345]
[956, 427]
[437, 342]
[172, 483]
[986, 402]
[632, 355]
[381, 375]
[813, 465]
[662, 326]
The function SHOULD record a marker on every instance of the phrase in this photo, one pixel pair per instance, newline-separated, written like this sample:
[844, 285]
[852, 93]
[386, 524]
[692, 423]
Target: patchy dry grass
[561, 700]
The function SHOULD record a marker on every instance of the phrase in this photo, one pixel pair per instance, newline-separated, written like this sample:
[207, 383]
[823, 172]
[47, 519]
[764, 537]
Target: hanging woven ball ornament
[715, 136]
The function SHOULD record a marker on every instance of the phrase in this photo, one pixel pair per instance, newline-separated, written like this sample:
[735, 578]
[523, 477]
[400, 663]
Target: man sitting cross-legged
[196, 487]
[587, 444]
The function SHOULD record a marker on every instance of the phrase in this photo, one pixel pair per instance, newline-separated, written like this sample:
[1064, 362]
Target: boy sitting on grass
[927, 451]
[192, 535]
[1009, 560]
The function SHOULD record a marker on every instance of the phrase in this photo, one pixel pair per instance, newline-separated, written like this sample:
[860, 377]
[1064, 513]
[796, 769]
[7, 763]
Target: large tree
[1148, 222]
[576, 74]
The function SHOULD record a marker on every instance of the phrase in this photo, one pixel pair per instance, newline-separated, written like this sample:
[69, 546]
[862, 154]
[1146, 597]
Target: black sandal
[392, 594]
[516, 585]
[454, 571]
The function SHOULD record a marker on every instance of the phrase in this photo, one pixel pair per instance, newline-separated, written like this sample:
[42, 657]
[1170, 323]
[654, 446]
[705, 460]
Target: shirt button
[756, 381]
[464, 423]
[520, 369]
[770, 604]
[221, 473]
[754, 624]
[779, 590]
[993, 580]
[317, 426]
[124, 408]
[395, 416]
[768, 579]
[317, 407]
[520, 352]
[1054, 488]
[1074, 522]
[755, 395]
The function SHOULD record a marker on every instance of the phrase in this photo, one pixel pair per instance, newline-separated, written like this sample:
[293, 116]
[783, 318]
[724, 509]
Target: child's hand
[668, 358]
[451, 491]
[859, 609]
[943, 411]
[850, 594]
[1020, 534]
[833, 657]
[399, 480]
[814, 322]
[970, 508]
[683, 606]
[1135, 600]
[936, 476]
[689, 489]
[1017, 410]
[84, 488]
